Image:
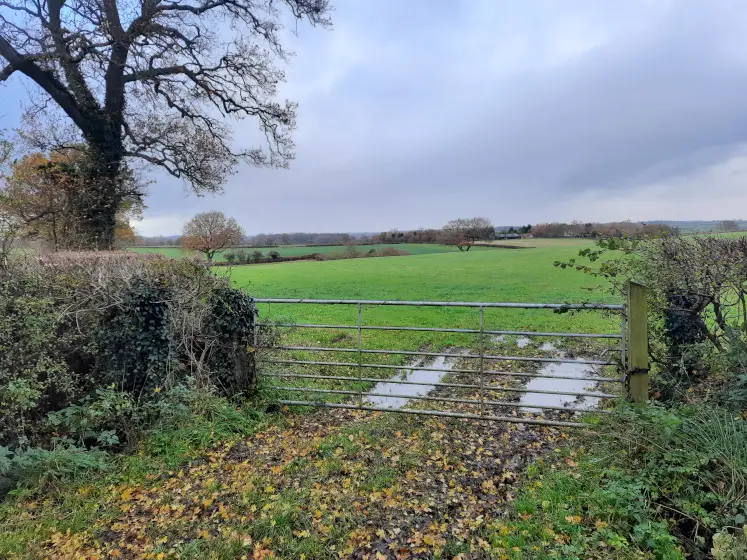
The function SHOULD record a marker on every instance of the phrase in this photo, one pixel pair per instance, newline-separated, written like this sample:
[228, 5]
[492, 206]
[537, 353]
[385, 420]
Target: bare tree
[210, 232]
[463, 232]
[728, 225]
[154, 80]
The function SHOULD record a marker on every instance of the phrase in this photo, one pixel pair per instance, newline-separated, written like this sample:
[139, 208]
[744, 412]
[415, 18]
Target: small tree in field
[728, 225]
[210, 232]
[463, 232]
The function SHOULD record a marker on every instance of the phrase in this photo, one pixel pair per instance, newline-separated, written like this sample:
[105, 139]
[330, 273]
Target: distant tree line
[515, 229]
[593, 230]
[464, 231]
[297, 238]
[461, 233]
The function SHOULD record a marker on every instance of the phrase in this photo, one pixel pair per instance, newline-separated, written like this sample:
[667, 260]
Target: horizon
[496, 226]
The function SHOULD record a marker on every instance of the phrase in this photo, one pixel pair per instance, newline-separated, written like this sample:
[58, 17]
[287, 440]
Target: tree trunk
[97, 207]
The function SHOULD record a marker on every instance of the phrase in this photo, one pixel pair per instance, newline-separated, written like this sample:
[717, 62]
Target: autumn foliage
[210, 232]
[47, 196]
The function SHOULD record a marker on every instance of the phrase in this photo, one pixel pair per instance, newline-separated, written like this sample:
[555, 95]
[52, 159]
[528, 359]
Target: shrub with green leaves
[691, 464]
[88, 342]
[728, 546]
[580, 510]
[641, 483]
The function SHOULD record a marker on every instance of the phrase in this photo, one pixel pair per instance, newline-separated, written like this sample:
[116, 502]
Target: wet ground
[540, 395]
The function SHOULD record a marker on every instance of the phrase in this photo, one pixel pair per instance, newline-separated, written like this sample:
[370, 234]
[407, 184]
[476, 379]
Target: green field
[437, 273]
[545, 242]
[296, 250]
[477, 275]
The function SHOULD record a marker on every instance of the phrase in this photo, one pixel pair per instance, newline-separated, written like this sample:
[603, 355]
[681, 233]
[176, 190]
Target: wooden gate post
[637, 379]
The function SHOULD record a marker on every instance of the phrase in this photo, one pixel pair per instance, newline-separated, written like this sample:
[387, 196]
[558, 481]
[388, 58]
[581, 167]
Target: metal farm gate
[340, 364]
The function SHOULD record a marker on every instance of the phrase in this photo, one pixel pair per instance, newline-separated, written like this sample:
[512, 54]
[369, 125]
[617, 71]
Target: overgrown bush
[242, 257]
[576, 509]
[351, 252]
[697, 298]
[174, 427]
[691, 464]
[394, 252]
[91, 343]
[642, 482]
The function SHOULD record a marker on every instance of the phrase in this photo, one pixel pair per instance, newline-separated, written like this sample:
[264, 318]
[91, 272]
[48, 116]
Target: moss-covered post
[637, 380]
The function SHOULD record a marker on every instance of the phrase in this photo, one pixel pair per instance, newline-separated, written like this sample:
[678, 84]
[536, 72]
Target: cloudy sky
[412, 113]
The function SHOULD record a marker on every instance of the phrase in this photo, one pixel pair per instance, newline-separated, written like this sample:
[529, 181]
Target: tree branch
[75, 80]
[23, 9]
[46, 81]
[154, 73]
[6, 72]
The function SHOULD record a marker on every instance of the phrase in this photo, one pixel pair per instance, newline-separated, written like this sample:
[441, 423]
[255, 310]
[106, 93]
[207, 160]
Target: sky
[413, 113]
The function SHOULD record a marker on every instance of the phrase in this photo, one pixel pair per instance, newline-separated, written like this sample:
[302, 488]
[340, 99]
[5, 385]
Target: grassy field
[481, 275]
[296, 250]
[545, 243]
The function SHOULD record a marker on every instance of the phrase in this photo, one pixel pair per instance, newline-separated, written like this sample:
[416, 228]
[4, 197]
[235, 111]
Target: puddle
[415, 376]
[548, 384]
[522, 342]
[565, 369]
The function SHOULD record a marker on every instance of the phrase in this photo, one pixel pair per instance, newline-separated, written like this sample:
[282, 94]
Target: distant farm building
[508, 236]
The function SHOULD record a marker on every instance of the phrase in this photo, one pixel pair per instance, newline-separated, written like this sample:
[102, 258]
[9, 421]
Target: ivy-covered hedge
[85, 339]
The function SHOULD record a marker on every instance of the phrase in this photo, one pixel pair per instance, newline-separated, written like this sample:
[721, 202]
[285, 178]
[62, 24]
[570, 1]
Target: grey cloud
[615, 114]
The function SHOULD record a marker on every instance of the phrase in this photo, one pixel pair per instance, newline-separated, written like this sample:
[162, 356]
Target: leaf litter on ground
[325, 484]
